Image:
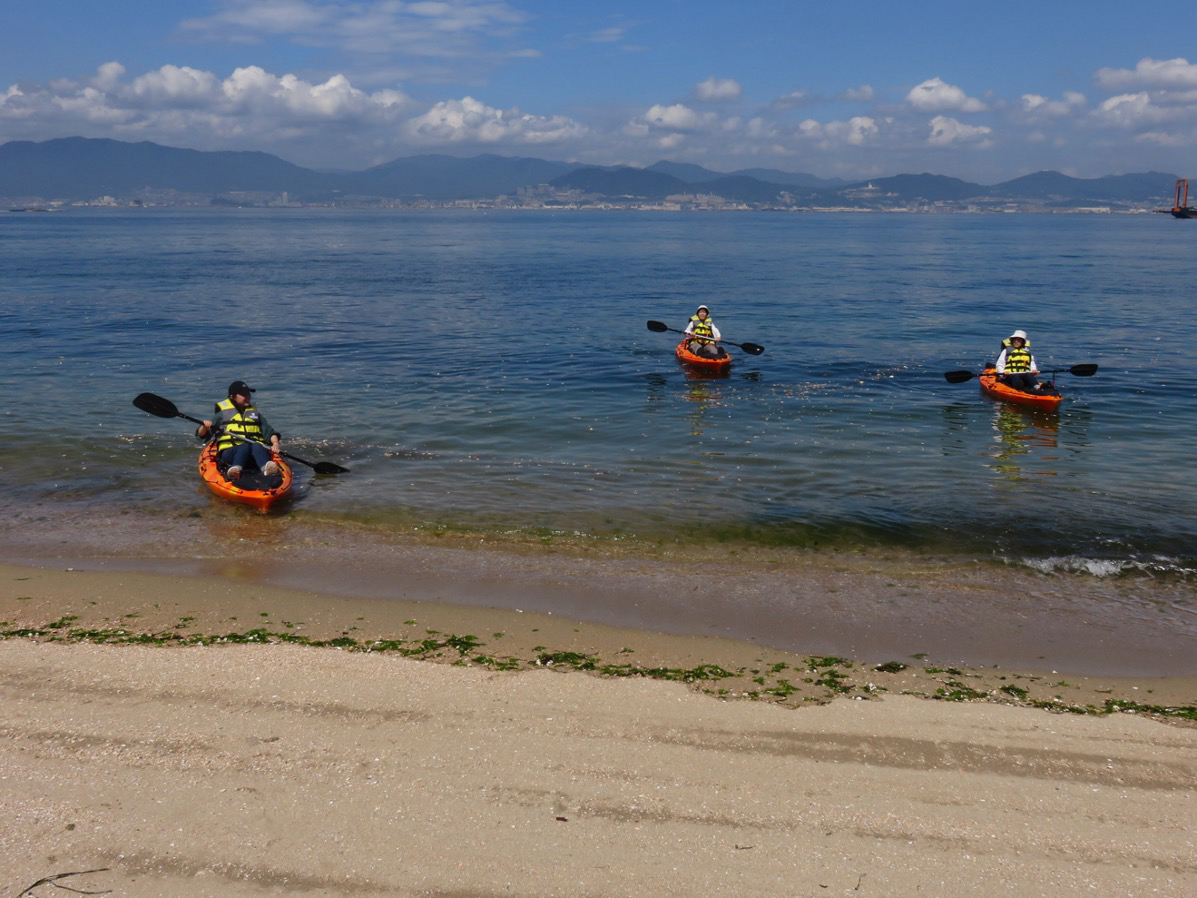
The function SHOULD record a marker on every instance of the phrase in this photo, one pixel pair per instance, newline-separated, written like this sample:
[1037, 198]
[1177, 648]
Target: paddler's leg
[233, 460]
[260, 454]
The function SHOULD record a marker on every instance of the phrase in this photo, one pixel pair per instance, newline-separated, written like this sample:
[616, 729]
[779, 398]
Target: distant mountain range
[82, 169]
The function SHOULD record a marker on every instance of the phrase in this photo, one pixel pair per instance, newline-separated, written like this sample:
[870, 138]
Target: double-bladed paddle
[750, 348]
[164, 408]
[959, 377]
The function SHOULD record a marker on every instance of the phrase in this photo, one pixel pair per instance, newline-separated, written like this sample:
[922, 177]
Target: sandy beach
[219, 768]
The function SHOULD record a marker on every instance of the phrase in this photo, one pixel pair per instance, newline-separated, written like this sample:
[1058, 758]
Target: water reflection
[1026, 442]
[702, 397]
[693, 373]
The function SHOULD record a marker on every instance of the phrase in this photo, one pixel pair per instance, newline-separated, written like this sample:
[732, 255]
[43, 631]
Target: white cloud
[108, 76]
[1150, 74]
[429, 28]
[677, 117]
[323, 123]
[946, 131]
[714, 89]
[173, 86]
[792, 100]
[761, 129]
[862, 94]
[1036, 105]
[469, 121]
[1132, 111]
[856, 131]
[91, 107]
[636, 129]
[1167, 139]
[934, 95]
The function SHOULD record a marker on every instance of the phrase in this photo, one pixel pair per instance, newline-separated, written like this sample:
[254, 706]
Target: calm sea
[493, 371]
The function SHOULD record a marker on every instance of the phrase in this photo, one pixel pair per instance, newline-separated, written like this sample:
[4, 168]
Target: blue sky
[839, 88]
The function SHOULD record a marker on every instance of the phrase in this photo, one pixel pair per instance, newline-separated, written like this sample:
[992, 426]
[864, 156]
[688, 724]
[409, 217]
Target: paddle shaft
[164, 408]
[959, 377]
[751, 348]
[320, 467]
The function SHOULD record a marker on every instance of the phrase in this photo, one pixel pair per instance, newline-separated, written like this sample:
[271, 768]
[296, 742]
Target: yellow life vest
[1018, 361]
[247, 424]
[702, 328]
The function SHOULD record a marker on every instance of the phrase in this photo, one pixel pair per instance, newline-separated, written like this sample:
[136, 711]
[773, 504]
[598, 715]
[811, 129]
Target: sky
[851, 89]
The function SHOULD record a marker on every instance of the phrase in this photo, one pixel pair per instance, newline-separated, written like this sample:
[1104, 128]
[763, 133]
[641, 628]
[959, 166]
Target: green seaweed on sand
[828, 676]
[955, 691]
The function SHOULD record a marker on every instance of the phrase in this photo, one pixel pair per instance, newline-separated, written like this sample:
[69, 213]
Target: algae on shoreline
[780, 679]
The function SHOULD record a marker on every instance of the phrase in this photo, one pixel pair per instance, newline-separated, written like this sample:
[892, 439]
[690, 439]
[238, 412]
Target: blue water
[493, 371]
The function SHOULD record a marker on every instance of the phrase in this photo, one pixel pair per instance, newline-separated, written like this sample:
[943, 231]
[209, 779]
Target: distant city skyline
[856, 89]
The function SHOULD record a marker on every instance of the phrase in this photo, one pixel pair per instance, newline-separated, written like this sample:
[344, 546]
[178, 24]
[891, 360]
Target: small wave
[1108, 567]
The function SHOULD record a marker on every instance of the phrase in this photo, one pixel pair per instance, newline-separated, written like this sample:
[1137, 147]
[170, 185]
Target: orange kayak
[991, 386]
[699, 361]
[251, 488]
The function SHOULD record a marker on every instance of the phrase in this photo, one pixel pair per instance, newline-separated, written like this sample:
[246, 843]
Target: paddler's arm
[207, 430]
[1000, 365]
[270, 435]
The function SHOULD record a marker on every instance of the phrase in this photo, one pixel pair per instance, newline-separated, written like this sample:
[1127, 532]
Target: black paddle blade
[752, 348]
[327, 467]
[1083, 370]
[320, 467]
[156, 405]
[957, 377]
[659, 326]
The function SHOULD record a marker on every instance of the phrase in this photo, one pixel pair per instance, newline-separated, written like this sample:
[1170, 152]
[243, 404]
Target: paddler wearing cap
[1016, 366]
[240, 432]
[701, 326]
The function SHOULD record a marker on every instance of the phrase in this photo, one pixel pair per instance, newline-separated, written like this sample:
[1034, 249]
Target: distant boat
[1180, 203]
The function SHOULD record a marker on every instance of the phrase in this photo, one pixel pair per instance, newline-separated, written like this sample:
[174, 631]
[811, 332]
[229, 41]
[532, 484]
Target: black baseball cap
[239, 386]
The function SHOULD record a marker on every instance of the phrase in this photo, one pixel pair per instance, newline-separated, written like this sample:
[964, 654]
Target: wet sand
[869, 605]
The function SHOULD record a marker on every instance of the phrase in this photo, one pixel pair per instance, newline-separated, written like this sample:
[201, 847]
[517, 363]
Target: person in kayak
[701, 326]
[237, 417]
[1016, 366]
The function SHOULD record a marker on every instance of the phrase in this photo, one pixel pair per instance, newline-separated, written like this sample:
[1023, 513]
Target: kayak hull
[701, 362]
[992, 387]
[252, 489]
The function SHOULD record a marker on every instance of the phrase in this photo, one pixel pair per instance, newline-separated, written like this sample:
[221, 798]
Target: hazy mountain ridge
[82, 169]
[451, 177]
[623, 181]
[696, 174]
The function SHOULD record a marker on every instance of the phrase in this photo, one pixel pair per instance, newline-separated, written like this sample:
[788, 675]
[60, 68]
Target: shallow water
[493, 371]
